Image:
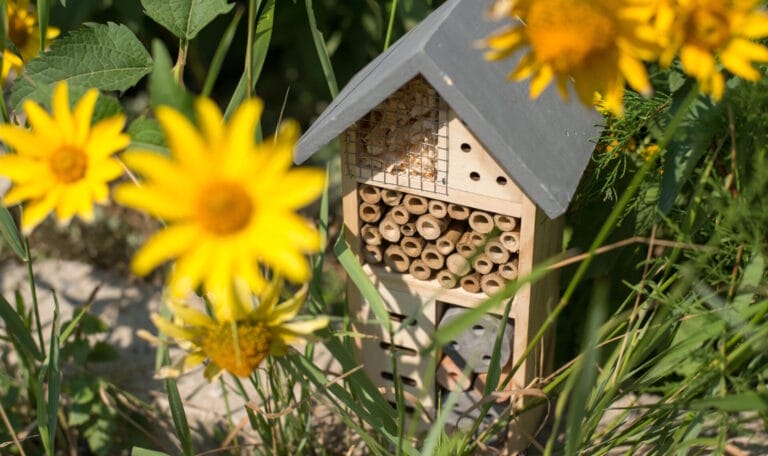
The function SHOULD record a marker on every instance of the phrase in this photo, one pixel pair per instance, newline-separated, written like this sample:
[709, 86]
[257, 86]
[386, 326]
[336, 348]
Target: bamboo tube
[509, 271]
[432, 257]
[458, 212]
[412, 246]
[370, 194]
[430, 227]
[446, 279]
[391, 197]
[389, 229]
[408, 229]
[491, 283]
[420, 270]
[396, 259]
[446, 243]
[483, 264]
[496, 251]
[369, 213]
[476, 239]
[370, 234]
[482, 222]
[511, 240]
[399, 214]
[504, 222]
[471, 283]
[457, 264]
[373, 254]
[464, 247]
[416, 205]
[437, 208]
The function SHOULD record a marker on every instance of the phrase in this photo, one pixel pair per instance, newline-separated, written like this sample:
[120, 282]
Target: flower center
[18, 31]
[253, 342]
[709, 28]
[68, 164]
[565, 33]
[224, 208]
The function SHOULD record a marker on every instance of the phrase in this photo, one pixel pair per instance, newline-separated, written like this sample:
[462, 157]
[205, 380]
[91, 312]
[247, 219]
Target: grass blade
[362, 281]
[17, 330]
[48, 409]
[322, 51]
[582, 380]
[179, 417]
[221, 52]
[137, 451]
[261, 40]
[10, 233]
[43, 17]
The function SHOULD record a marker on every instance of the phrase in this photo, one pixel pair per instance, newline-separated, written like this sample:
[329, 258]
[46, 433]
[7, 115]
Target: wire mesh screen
[402, 141]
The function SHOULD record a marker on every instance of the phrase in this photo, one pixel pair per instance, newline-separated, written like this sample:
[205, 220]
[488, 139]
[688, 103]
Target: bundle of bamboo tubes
[433, 240]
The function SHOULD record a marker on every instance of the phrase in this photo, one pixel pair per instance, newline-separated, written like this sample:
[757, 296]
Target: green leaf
[163, 88]
[743, 402]
[146, 134]
[17, 330]
[102, 352]
[10, 233]
[185, 18]
[104, 56]
[137, 451]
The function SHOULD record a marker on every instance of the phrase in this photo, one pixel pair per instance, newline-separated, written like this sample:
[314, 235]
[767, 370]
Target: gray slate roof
[544, 145]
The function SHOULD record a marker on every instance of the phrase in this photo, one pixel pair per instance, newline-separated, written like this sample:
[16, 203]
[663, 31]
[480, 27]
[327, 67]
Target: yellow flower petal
[191, 316]
[636, 75]
[154, 201]
[186, 144]
[37, 210]
[541, 80]
[287, 310]
[210, 119]
[298, 188]
[163, 246]
[82, 115]
[43, 124]
[23, 141]
[61, 113]
[172, 330]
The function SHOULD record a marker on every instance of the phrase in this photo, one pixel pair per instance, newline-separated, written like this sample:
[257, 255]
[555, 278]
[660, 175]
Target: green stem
[33, 292]
[181, 62]
[392, 15]
[252, 8]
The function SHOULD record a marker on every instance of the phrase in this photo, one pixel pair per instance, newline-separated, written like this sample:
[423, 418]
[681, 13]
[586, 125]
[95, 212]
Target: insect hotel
[453, 184]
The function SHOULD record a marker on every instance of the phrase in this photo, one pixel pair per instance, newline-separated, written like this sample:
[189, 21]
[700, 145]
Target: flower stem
[33, 292]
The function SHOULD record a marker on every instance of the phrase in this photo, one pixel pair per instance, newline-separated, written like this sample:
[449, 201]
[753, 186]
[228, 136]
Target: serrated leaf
[104, 56]
[185, 18]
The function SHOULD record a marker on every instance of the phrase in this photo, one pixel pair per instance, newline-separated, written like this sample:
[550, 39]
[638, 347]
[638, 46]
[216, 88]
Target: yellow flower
[24, 32]
[63, 163]
[597, 44]
[229, 203]
[266, 327]
[707, 31]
